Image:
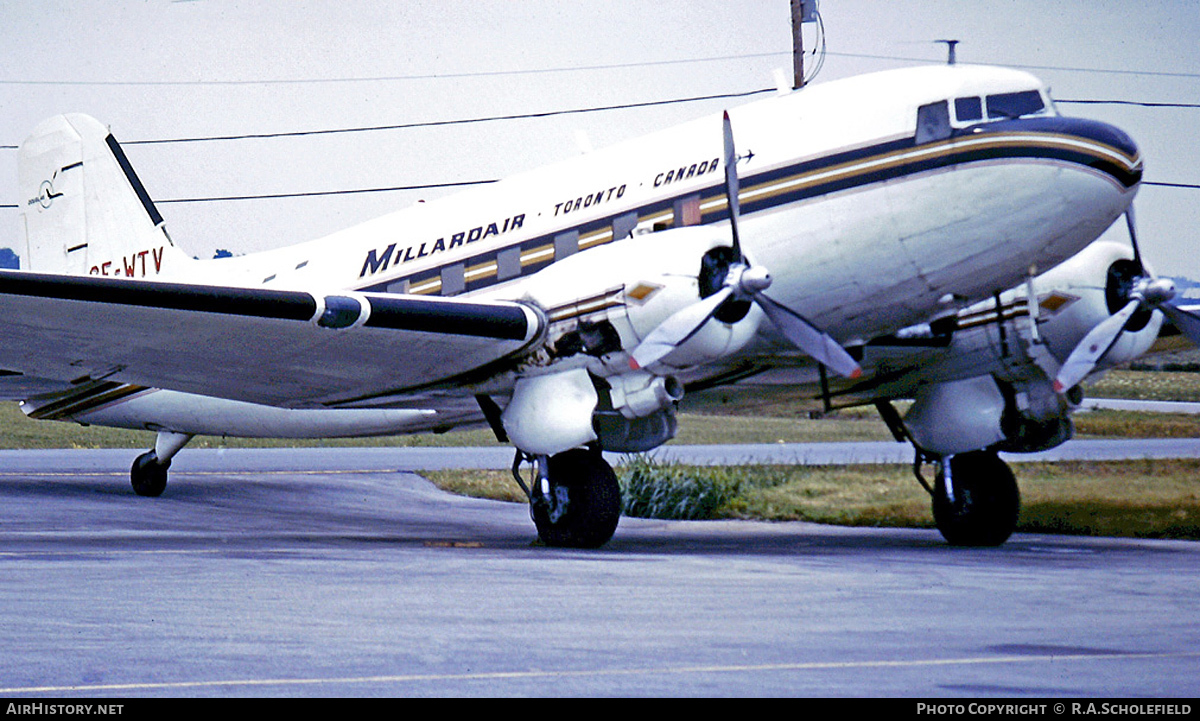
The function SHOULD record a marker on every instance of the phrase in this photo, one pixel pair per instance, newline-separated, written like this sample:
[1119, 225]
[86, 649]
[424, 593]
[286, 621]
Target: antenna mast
[952, 57]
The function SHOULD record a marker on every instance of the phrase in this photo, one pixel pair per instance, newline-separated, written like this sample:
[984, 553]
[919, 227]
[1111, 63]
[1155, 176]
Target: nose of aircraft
[1099, 145]
[1114, 139]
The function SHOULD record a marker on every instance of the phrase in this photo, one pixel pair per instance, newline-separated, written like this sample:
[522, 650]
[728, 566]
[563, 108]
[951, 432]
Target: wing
[283, 348]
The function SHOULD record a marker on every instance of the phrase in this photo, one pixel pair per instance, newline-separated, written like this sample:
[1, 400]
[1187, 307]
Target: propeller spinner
[743, 282]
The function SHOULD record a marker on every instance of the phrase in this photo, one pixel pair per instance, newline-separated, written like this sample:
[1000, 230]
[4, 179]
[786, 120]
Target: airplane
[897, 235]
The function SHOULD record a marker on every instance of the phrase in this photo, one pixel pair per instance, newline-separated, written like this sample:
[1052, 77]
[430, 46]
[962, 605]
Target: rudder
[86, 212]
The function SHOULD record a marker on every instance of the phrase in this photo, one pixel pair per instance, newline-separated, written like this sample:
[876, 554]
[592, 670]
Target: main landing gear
[975, 499]
[575, 500]
[149, 472]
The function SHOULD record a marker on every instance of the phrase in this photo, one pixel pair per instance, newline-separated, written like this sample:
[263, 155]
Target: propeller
[1146, 293]
[742, 282]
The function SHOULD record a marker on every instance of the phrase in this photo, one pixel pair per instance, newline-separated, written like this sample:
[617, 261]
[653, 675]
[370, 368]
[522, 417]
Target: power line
[439, 123]
[551, 113]
[1190, 186]
[1139, 103]
[392, 78]
[460, 121]
[576, 68]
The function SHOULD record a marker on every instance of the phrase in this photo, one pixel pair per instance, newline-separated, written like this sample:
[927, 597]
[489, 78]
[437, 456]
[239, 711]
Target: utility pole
[797, 44]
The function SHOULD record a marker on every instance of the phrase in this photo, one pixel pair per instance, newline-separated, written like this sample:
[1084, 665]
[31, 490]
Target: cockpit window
[1014, 105]
[933, 122]
[966, 109]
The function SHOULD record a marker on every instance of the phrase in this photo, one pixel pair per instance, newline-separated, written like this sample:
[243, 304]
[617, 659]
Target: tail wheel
[586, 502]
[978, 503]
[148, 475]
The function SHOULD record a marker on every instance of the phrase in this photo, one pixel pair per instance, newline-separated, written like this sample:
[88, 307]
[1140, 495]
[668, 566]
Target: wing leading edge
[277, 347]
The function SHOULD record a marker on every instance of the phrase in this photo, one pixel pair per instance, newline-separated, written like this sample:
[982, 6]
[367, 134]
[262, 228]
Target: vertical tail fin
[85, 211]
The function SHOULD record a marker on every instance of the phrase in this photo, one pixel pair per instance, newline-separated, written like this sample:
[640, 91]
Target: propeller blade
[685, 323]
[731, 187]
[676, 330]
[1186, 321]
[1131, 224]
[808, 338]
[1094, 346]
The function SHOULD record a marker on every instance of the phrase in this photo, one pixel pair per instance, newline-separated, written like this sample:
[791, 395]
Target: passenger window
[1014, 105]
[933, 122]
[454, 279]
[967, 109]
[508, 263]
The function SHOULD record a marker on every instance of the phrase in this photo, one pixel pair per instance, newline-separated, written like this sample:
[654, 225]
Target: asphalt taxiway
[318, 573]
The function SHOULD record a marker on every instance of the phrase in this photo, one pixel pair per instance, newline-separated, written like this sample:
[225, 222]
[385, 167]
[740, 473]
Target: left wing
[275, 347]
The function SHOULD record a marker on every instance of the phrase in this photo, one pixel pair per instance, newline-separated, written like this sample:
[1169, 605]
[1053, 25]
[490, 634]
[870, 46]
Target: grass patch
[1104, 423]
[849, 425]
[492, 485]
[1137, 499]
[1147, 386]
[657, 489]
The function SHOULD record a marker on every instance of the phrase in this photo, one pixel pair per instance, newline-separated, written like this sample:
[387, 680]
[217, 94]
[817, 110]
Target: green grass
[1138, 499]
[1135, 424]
[1147, 386]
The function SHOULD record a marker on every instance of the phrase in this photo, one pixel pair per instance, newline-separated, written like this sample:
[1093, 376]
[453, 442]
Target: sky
[158, 70]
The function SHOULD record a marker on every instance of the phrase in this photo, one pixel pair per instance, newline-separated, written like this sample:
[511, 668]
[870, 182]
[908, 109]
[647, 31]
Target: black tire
[594, 505]
[148, 476]
[986, 503]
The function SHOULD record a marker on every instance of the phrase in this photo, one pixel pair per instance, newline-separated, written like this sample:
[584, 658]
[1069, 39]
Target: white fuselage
[868, 218]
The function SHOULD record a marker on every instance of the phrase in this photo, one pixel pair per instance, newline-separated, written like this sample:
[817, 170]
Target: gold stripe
[70, 407]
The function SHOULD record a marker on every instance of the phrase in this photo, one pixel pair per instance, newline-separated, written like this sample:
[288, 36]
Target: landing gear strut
[575, 500]
[149, 472]
[975, 499]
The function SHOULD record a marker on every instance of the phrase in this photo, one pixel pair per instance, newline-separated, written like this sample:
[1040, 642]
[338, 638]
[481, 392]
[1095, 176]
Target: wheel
[588, 498]
[149, 477]
[986, 500]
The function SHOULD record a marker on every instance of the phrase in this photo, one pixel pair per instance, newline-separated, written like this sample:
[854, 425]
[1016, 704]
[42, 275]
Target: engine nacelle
[628, 413]
[636, 411]
[957, 416]
[630, 287]
[976, 413]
